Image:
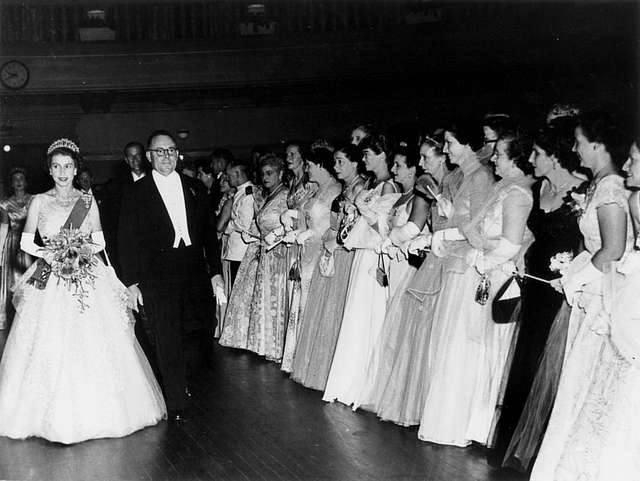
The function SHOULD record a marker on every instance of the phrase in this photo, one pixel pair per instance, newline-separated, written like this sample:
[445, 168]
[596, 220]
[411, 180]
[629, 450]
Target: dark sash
[77, 216]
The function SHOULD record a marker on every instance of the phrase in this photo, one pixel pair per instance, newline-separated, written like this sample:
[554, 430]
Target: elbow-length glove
[499, 256]
[574, 283]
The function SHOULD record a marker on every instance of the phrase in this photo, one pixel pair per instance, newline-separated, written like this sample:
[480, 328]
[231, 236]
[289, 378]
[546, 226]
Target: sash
[77, 216]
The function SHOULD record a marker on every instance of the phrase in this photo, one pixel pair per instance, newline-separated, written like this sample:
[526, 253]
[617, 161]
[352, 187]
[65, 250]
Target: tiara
[434, 141]
[65, 143]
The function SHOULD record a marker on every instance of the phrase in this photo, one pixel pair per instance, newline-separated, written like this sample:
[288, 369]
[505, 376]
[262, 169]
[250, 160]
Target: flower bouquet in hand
[70, 253]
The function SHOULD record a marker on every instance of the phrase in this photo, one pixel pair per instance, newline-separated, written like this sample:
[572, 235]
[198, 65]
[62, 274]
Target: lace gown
[555, 231]
[364, 309]
[322, 318]
[13, 261]
[469, 349]
[69, 375]
[593, 429]
[268, 310]
[316, 219]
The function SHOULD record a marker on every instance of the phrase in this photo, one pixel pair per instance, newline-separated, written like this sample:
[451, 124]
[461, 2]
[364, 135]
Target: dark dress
[555, 231]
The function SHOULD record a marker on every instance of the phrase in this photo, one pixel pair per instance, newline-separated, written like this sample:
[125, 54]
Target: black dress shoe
[176, 416]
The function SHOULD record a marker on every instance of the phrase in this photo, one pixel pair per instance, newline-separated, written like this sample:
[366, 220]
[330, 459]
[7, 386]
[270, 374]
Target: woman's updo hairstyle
[411, 155]
[272, 160]
[378, 144]
[353, 153]
[434, 140]
[599, 126]
[499, 123]
[64, 147]
[465, 133]
[519, 146]
[557, 141]
[323, 157]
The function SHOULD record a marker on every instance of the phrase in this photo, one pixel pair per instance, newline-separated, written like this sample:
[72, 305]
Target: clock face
[14, 74]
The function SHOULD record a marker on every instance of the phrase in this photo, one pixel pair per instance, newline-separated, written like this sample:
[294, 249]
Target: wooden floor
[248, 421]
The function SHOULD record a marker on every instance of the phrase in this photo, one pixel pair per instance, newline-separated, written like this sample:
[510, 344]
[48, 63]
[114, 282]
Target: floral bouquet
[560, 262]
[71, 256]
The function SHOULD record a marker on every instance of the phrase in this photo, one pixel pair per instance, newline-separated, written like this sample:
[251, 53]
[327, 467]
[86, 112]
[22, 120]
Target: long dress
[470, 350]
[403, 377]
[269, 303]
[399, 273]
[322, 318]
[236, 320]
[364, 309]
[554, 232]
[13, 261]
[316, 212]
[69, 375]
[593, 429]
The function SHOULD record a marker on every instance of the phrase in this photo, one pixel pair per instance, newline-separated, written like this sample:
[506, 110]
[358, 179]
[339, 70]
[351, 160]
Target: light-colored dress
[593, 430]
[399, 272]
[316, 212]
[13, 261]
[269, 302]
[320, 323]
[69, 375]
[403, 376]
[468, 350]
[365, 305]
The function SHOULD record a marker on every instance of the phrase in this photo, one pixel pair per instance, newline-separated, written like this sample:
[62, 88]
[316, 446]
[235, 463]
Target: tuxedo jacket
[146, 236]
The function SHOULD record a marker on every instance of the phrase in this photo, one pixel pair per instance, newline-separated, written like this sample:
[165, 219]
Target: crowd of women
[486, 296]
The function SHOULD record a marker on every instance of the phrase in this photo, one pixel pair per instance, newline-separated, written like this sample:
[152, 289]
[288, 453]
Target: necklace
[64, 202]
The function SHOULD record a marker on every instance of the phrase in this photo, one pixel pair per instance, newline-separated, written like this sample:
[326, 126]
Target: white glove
[290, 237]
[27, 244]
[98, 241]
[501, 254]
[304, 236]
[574, 283]
[437, 243]
[217, 284]
[420, 243]
[383, 246]
[444, 207]
[286, 218]
[247, 237]
[401, 234]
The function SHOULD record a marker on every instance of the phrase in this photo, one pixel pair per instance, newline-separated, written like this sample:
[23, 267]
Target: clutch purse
[381, 274]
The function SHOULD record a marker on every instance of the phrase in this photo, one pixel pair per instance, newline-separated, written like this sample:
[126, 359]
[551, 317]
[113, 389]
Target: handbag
[504, 311]
[381, 274]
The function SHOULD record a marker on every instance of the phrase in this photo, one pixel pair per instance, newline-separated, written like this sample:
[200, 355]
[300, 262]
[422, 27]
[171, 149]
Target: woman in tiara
[72, 369]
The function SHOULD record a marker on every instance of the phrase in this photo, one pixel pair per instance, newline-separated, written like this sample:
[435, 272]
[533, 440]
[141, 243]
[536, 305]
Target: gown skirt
[69, 375]
[320, 323]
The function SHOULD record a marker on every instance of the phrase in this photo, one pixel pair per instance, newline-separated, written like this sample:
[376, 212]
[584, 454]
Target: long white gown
[364, 309]
[593, 429]
[69, 375]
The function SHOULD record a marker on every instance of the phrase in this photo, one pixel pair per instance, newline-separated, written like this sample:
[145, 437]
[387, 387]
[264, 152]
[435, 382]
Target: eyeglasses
[164, 152]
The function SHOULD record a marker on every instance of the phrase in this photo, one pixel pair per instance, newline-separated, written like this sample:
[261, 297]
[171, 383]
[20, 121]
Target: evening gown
[554, 232]
[316, 212]
[470, 349]
[593, 430]
[322, 318]
[403, 375]
[268, 302]
[13, 261]
[69, 375]
[365, 305]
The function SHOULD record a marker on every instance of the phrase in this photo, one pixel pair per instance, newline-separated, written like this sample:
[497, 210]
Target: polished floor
[248, 421]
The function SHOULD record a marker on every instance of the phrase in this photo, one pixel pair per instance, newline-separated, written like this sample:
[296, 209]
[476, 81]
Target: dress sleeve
[479, 189]
[611, 190]
[515, 211]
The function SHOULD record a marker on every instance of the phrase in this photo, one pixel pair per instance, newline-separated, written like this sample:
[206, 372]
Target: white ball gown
[68, 375]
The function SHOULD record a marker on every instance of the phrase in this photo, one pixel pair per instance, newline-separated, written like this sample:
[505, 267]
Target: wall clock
[14, 74]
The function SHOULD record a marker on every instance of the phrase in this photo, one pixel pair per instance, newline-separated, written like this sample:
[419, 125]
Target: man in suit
[161, 243]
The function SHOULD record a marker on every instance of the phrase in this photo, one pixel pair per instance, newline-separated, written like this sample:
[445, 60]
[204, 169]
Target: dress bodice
[268, 217]
[317, 208]
[16, 212]
[555, 231]
[53, 215]
[400, 213]
[469, 198]
[298, 194]
[609, 190]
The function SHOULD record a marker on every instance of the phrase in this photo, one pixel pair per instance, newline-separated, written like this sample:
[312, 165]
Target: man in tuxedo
[162, 242]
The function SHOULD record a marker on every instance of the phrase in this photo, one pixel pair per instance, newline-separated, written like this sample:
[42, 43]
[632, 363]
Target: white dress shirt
[170, 188]
[240, 221]
[137, 177]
